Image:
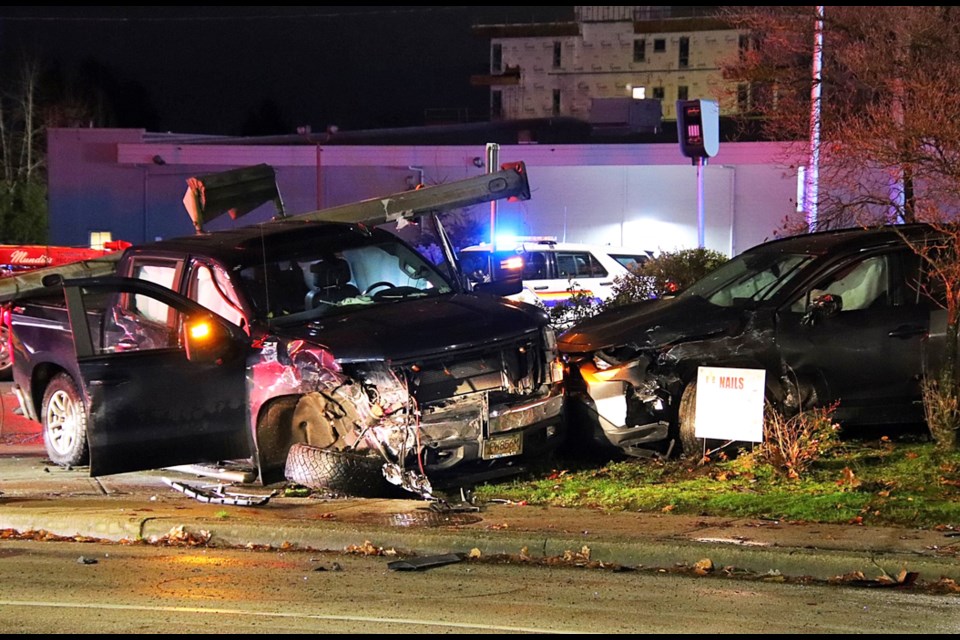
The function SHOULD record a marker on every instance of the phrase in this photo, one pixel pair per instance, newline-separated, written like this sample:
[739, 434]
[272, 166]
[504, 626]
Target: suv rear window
[580, 264]
[630, 260]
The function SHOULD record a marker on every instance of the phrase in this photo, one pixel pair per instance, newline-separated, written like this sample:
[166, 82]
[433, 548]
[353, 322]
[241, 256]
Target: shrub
[663, 275]
[667, 273]
[792, 444]
[579, 306]
[941, 407]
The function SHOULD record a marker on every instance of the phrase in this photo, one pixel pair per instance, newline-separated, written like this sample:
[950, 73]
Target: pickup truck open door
[164, 377]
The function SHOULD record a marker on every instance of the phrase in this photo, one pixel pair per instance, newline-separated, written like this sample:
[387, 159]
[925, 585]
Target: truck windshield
[324, 280]
[749, 278]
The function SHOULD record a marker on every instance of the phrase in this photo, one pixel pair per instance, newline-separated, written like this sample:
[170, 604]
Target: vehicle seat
[331, 282]
[277, 291]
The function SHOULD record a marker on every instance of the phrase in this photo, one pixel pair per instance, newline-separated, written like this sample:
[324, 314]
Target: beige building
[661, 54]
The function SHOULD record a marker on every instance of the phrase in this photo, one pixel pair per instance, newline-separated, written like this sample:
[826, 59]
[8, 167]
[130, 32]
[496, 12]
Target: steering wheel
[378, 285]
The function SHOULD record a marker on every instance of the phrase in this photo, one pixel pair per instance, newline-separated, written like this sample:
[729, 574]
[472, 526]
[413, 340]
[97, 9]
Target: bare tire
[341, 472]
[686, 421]
[64, 419]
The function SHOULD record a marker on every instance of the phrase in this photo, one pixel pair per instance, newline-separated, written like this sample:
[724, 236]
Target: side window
[578, 264]
[137, 322]
[535, 266]
[861, 285]
[630, 261]
[596, 269]
[128, 328]
[209, 287]
[162, 273]
[923, 286]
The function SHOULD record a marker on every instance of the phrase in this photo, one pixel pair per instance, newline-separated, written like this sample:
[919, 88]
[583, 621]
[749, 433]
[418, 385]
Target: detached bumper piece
[218, 494]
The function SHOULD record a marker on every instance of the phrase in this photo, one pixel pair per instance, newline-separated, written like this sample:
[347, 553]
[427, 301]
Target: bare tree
[890, 131]
[29, 104]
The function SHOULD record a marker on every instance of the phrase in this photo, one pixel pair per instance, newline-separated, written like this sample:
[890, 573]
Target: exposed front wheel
[686, 418]
[64, 418]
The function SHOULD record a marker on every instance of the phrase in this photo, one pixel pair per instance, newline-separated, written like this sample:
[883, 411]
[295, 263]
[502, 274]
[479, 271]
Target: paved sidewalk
[37, 496]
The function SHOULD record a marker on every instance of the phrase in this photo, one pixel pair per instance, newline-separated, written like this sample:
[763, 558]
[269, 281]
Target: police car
[553, 270]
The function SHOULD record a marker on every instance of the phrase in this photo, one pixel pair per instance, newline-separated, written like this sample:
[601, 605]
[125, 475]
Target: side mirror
[506, 277]
[821, 307]
[205, 339]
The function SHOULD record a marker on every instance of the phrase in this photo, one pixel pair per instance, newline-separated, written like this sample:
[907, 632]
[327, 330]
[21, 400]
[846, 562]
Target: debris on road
[218, 494]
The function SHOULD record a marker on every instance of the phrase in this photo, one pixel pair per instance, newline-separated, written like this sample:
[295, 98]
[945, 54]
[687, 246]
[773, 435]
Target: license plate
[502, 446]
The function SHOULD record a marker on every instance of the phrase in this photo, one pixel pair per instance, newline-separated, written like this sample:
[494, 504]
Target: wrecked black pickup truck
[310, 348]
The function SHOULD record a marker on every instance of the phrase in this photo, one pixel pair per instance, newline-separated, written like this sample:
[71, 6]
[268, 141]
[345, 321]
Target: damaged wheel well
[275, 434]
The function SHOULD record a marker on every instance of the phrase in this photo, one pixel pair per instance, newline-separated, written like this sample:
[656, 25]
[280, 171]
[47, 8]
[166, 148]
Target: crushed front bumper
[622, 407]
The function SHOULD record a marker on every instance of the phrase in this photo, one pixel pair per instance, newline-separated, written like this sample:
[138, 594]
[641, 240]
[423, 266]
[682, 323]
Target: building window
[496, 58]
[556, 102]
[683, 59]
[638, 93]
[99, 238]
[743, 98]
[745, 43]
[659, 45]
[639, 50]
[658, 93]
[557, 54]
[682, 92]
[496, 105]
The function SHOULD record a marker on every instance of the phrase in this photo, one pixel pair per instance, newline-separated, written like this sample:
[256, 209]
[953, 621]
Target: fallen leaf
[668, 508]
[703, 567]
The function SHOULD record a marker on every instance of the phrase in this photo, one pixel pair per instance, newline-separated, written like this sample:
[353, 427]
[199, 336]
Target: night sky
[234, 70]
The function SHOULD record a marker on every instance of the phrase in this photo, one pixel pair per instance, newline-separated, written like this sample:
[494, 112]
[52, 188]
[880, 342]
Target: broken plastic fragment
[416, 564]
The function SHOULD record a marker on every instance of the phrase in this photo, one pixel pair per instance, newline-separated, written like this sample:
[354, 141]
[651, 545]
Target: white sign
[730, 404]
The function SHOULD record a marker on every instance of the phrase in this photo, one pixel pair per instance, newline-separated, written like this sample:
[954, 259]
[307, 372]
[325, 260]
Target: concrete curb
[257, 528]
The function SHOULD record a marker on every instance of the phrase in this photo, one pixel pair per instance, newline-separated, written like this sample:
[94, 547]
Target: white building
[645, 53]
[128, 184]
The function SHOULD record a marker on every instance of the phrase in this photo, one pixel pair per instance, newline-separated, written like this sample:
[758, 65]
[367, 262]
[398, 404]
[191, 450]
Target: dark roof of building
[556, 130]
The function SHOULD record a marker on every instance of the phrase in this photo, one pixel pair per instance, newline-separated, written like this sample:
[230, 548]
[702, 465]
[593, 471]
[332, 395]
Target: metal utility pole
[812, 176]
[493, 165]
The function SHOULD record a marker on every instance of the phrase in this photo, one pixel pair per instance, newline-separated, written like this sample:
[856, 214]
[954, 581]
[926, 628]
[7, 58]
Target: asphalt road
[72, 587]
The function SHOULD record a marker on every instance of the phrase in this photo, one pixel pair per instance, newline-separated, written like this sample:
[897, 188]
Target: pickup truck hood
[417, 328]
[651, 323]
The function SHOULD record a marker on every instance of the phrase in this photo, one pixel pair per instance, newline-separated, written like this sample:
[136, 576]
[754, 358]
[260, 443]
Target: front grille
[515, 367]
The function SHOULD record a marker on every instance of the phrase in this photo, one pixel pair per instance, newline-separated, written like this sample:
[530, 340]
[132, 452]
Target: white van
[556, 270]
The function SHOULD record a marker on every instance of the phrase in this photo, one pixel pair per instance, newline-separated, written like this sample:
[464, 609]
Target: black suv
[832, 317]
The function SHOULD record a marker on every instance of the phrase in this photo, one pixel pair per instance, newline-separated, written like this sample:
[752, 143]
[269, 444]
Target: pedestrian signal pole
[698, 130]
